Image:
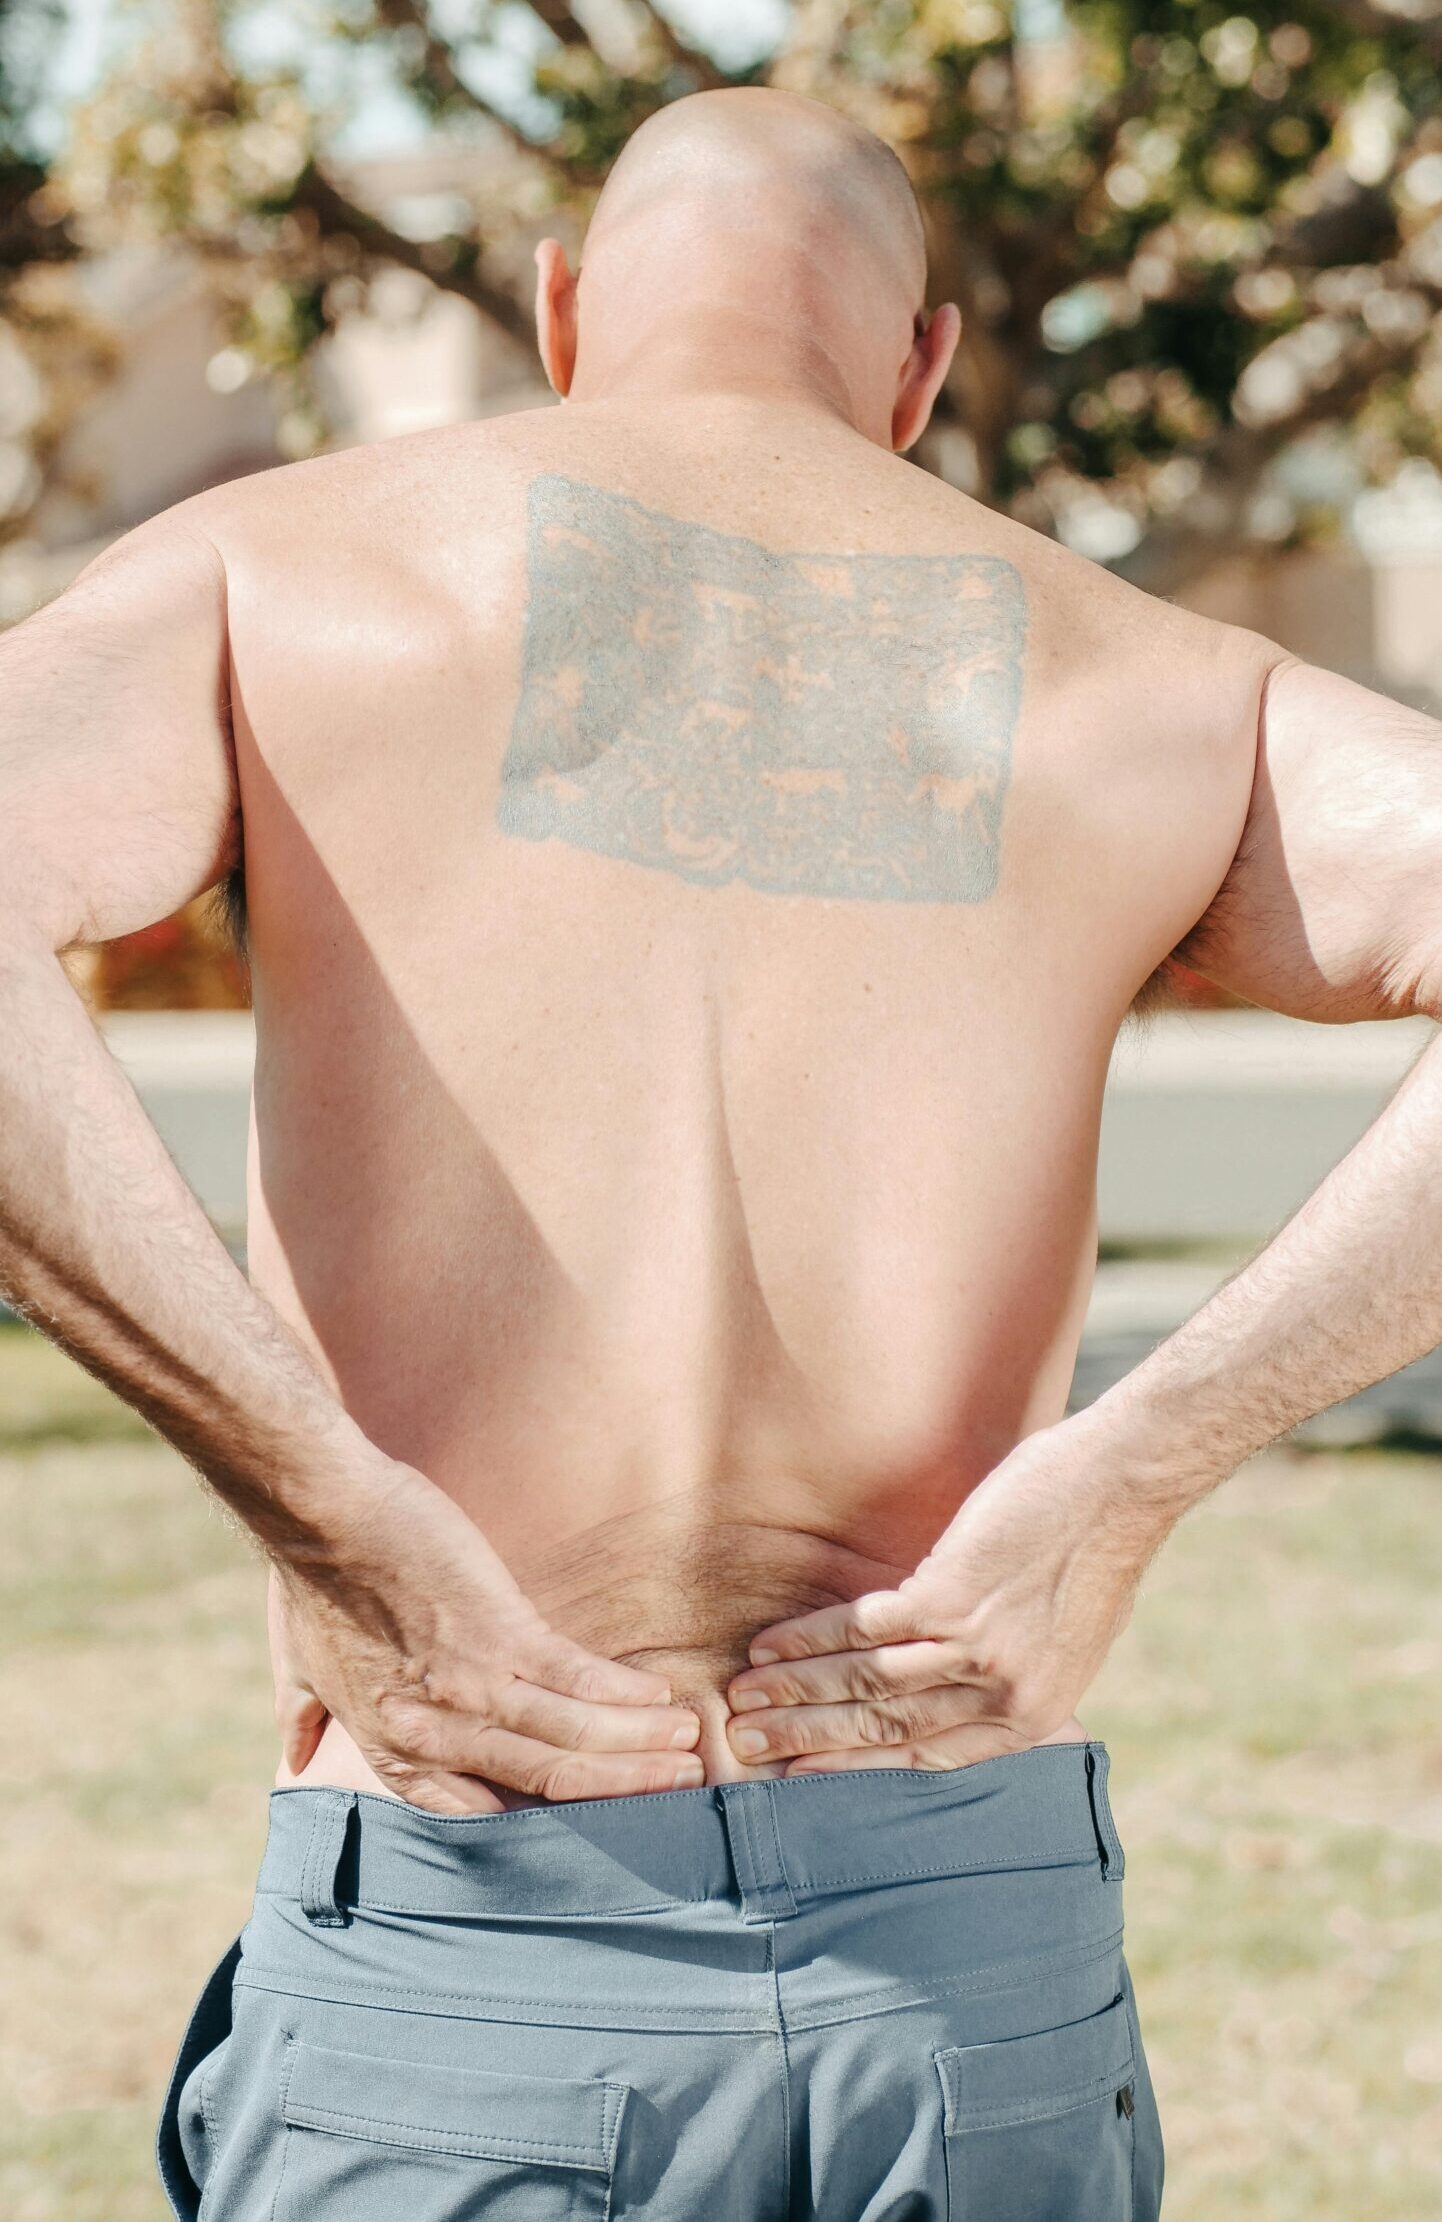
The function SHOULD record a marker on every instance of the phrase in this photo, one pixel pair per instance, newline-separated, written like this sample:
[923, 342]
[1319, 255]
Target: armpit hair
[228, 912]
[1156, 993]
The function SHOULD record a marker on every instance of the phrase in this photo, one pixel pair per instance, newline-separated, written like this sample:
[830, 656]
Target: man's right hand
[406, 1626]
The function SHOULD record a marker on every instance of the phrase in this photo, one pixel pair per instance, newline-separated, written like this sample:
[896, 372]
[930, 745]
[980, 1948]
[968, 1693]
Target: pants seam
[752, 1886]
[1015, 1976]
[785, 2074]
[395, 1998]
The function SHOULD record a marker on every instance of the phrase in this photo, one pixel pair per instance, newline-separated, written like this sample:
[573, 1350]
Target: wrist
[1157, 1453]
[307, 1494]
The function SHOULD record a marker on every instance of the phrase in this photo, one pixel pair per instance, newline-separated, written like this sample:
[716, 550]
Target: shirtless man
[696, 868]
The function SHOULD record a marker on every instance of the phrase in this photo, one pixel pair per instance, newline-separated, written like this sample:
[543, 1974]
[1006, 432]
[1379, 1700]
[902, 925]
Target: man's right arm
[118, 802]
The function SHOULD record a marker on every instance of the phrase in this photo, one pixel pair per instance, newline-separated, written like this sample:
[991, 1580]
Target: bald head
[755, 160]
[751, 242]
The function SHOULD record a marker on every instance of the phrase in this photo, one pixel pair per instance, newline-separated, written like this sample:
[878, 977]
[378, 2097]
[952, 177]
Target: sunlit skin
[664, 1286]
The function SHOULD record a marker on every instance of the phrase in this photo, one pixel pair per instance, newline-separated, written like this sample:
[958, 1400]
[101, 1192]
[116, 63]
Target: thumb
[299, 1713]
[301, 1718]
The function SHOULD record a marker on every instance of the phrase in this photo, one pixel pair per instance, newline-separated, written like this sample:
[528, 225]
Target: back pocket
[1039, 2129]
[373, 2140]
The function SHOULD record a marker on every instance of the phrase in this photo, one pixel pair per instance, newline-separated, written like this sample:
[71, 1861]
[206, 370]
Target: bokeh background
[1199, 255]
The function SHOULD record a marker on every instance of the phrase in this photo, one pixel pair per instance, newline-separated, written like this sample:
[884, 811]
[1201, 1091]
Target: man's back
[696, 870]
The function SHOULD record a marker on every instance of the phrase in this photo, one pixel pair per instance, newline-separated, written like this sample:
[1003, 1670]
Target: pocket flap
[1025, 2079]
[544, 2120]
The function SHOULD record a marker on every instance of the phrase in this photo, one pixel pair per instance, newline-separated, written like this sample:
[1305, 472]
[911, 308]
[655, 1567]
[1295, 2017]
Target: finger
[435, 1791]
[301, 1718]
[883, 1672]
[558, 1664]
[574, 1725]
[792, 1730]
[526, 1763]
[881, 1616]
[962, 1747]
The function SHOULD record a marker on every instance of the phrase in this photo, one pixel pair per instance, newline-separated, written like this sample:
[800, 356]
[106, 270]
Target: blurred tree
[52, 353]
[1181, 236]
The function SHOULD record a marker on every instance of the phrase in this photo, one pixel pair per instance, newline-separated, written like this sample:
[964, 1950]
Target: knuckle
[564, 1778]
[403, 1718]
[587, 1679]
[784, 1689]
[394, 1705]
[426, 1744]
[908, 1718]
[441, 1686]
[575, 1731]
[870, 1676]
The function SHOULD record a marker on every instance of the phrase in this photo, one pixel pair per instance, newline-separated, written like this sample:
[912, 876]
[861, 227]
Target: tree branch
[708, 75]
[24, 236]
[560, 22]
[456, 272]
[439, 64]
[1214, 523]
[1374, 22]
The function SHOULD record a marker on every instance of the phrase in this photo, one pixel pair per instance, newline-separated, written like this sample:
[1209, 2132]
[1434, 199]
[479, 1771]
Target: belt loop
[320, 1900]
[749, 1811]
[1109, 1844]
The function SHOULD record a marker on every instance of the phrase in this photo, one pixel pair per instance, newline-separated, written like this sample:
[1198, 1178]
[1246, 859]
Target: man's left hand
[985, 1649]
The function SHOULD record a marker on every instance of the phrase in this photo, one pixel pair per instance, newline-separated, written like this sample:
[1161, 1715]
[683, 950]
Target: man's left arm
[1332, 910]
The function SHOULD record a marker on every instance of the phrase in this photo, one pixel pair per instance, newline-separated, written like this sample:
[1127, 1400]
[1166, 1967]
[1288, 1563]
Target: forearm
[108, 1252]
[1349, 1291]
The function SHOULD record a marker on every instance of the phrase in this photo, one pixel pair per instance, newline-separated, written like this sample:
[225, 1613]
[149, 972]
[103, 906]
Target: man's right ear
[556, 315]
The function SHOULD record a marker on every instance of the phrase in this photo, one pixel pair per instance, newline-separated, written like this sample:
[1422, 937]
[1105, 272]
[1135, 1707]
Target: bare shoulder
[1086, 619]
[410, 488]
[1145, 717]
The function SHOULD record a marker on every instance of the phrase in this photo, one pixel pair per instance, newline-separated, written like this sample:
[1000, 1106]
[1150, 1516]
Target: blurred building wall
[1376, 620]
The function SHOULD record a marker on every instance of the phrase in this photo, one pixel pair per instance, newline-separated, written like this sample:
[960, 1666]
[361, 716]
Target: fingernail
[748, 1700]
[748, 1742]
[764, 1658]
[682, 1738]
[690, 1774]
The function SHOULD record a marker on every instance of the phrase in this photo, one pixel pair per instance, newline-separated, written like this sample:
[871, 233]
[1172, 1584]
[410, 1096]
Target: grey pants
[883, 1996]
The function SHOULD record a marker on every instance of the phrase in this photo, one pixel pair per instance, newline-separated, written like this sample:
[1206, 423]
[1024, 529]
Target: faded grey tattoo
[833, 725]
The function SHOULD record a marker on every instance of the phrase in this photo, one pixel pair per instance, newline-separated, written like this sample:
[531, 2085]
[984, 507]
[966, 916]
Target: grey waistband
[770, 1844]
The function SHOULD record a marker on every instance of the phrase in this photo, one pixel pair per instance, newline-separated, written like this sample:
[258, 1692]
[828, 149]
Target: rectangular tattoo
[691, 701]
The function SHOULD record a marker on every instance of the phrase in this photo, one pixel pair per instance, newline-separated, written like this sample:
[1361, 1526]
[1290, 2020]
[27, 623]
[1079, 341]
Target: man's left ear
[923, 374]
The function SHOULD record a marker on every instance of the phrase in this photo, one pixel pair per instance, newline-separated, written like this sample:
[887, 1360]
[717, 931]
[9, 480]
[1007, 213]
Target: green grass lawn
[1276, 1735]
